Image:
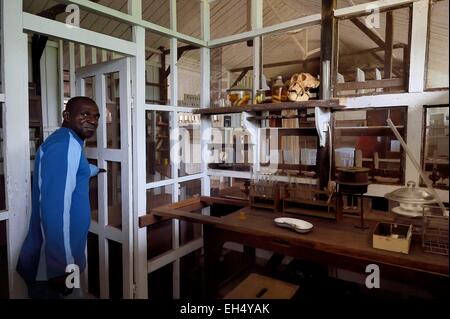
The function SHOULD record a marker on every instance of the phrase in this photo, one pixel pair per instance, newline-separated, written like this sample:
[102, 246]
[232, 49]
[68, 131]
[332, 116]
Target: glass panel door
[109, 85]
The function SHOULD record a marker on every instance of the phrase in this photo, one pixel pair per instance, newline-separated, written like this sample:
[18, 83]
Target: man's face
[83, 119]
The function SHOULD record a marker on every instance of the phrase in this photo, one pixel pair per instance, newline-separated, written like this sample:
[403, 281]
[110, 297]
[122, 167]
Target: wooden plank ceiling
[232, 16]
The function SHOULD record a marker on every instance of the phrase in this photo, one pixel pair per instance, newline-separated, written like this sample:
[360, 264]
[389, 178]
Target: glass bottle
[260, 96]
[277, 89]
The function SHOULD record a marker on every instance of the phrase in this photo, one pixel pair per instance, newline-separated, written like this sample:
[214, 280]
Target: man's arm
[59, 166]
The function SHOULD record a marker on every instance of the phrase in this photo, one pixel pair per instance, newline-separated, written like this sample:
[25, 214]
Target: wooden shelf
[295, 131]
[270, 107]
[229, 146]
[383, 160]
[321, 203]
[437, 161]
[306, 212]
[278, 117]
[367, 130]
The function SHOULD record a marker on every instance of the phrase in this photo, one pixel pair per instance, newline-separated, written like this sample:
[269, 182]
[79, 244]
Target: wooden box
[256, 286]
[392, 237]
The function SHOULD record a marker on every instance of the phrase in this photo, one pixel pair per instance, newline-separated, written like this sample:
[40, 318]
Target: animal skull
[300, 85]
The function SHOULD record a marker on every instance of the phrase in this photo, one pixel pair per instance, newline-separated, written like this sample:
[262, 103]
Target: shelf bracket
[322, 118]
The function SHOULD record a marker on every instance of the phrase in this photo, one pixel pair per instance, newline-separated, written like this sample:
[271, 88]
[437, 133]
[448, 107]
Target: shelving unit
[287, 137]
[334, 103]
[375, 145]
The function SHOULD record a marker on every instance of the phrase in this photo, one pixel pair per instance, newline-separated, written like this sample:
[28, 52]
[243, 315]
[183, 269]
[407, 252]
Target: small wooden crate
[296, 198]
[264, 195]
[256, 286]
[392, 237]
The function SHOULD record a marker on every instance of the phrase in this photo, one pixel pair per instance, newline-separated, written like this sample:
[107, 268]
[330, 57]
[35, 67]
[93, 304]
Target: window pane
[276, 12]
[115, 270]
[158, 146]
[191, 275]
[363, 139]
[190, 144]
[112, 113]
[159, 238]
[156, 11]
[159, 235]
[188, 17]
[188, 75]
[94, 264]
[287, 53]
[435, 154]
[87, 20]
[437, 70]
[93, 193]
[364, 63]
[159, 196]
[229, 17]
[190, 189]
[160, 283]
[157, 69]
[114, 194]
[236, 58]
[189, 231]
[231, 146]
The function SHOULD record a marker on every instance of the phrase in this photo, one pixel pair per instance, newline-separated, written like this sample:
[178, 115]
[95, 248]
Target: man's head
[81, 115]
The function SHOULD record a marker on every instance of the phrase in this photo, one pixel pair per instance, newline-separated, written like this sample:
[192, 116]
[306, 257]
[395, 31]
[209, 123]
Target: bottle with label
[277, 89]
[277, 97]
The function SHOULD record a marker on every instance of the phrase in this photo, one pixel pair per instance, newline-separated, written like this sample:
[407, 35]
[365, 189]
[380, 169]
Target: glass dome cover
[411, 195]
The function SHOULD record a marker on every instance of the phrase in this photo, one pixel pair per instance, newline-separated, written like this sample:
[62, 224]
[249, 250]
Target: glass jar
[239, 97]
[260, 96]
[277, 89]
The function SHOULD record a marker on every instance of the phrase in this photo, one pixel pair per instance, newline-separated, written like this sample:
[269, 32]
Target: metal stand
[362, 226]
[353, 189]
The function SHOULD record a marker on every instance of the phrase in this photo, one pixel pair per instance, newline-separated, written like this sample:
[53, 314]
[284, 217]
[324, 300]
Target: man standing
[60, 214]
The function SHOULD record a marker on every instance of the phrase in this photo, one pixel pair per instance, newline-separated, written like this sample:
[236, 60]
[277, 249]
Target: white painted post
[174, 145]
[205, 94]
[82, 55]
[418, 46]
[61, 79]
[139, 153]
[378, 77]
[49, 89]
[253, 127]
[94, 55]
[104, 55]
[360, 77]
[414, 136]
[72, 68]
[100, 97]
[16, 137]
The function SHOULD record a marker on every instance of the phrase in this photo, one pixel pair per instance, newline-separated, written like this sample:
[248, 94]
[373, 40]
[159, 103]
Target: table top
[339, 238]
[328, 236]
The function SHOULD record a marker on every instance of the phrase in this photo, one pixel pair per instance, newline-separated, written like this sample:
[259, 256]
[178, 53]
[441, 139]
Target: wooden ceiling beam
[274, 65]
[372, 35]
[180, 52]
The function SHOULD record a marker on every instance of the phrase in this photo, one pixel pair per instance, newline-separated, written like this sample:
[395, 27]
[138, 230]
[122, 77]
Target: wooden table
[332, 243]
